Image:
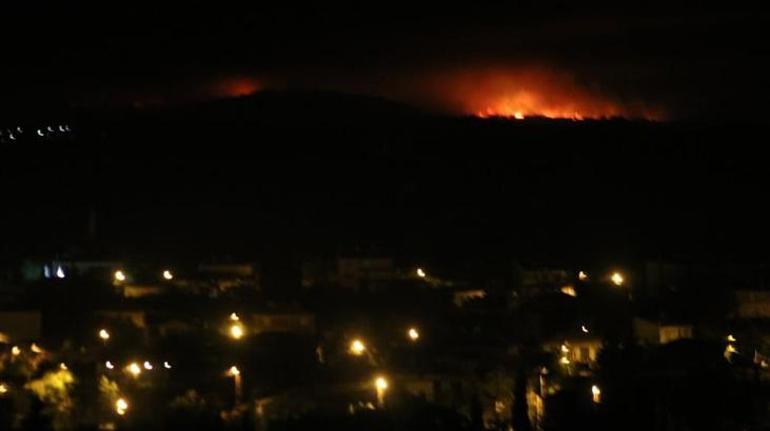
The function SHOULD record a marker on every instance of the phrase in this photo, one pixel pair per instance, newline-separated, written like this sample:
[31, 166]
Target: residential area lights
[381, 385]
[236, 331]
[120, 276]
[357, 347]
[121, 406]
[134, 369]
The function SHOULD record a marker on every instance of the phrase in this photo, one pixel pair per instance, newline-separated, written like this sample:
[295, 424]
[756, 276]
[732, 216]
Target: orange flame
[533, 92]
[234, 87]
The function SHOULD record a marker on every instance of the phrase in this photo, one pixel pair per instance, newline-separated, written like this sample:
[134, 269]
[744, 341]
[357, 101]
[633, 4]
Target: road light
[63, 366]
[109, 365]
[235, 373]
[381, 385]
[413, 334]
[596, 394]
[421, 273]
[134, 369]
[104, 334]
[167, 275]
[166, 365]
[15, 351]
[582, 276]
[121, 406]
[3, 389]
[120, 276]
[236, 331]
[584, 329]
[35, 348]
[357, 347]
[617, 279]
[234, 317]
[731, 339]
[147, 365]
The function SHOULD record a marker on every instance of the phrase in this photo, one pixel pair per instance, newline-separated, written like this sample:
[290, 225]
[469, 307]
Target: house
[654, 333]
[580, 349]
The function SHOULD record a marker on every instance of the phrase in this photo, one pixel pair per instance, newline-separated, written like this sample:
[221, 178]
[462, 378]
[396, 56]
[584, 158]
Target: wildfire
[533, 92]
[234, 87]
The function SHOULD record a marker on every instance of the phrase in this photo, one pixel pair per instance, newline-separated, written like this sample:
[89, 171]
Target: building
[654, 333]
[577, 349]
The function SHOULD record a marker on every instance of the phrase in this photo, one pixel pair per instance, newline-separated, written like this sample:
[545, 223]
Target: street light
[235, 373]
[104, 335]
[381, 385]
[167, 275]
[617, 279]
[3, 389]
[109, 365]
[147, 365]
[421, 273]
[413, 334]
[236, 331]
[166, 365]
[120, 275]
[582, 276]
[15, 351]
[121, 406]
[597, 394]
[357, 347]
[134, 369]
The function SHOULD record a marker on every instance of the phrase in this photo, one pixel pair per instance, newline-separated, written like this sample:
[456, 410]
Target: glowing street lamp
[596, 394]
[234, 317]
[381, 385]
[134, 369]
[421, 273]
[167, 275]
[109, 365]
[584, 329]
[121, 406]
[235, 373]
[731, 339]
[104, 334]
[357, 347]
[120, 276]
[147, 365]
[617, 279]
[3, 389]
[236, 331]
[166, 365]
[15, 351]
[582, 276]
[413, 334]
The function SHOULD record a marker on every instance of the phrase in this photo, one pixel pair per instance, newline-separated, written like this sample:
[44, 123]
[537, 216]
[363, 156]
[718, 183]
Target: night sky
[182, 172]
[653, 60]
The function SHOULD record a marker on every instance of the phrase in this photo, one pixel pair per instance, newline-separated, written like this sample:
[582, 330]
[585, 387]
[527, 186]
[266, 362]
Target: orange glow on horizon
[235, 87]
[521, 93]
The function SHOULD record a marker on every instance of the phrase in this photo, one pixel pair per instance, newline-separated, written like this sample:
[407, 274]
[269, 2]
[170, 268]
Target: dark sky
[684, 60]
